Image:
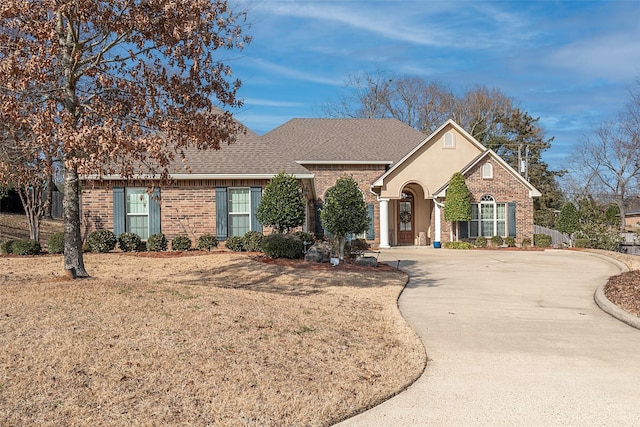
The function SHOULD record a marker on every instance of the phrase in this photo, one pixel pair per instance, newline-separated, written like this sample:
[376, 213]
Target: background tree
[344, 211]
[457, 204]
[282, 205]
[595, 226]
[122, 87]
[568, 220]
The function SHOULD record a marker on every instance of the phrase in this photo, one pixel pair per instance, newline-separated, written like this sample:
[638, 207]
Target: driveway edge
[613, 310]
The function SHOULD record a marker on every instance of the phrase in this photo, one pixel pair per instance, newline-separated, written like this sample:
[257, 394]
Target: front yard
[204, 339]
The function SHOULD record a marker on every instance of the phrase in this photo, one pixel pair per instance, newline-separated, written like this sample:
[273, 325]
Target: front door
[405, 220]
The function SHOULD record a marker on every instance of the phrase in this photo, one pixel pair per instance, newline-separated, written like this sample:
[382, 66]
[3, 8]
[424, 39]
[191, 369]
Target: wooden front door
[406, 220]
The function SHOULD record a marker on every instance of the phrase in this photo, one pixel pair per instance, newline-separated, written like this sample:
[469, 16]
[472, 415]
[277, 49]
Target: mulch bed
[624, 291]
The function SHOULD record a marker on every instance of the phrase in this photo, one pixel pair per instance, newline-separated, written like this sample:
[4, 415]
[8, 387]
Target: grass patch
[267, 345]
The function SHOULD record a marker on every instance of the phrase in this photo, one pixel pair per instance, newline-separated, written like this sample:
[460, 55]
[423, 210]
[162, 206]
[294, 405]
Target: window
[137, 214]
[487, 171]
[449, 140]
[239, 211]
[488, 218]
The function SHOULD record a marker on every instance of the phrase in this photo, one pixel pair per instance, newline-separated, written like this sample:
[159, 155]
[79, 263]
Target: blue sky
[571, 63]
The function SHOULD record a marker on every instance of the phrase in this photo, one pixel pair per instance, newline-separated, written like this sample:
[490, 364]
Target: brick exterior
[504, 188]
[186, 207]
[327, 175]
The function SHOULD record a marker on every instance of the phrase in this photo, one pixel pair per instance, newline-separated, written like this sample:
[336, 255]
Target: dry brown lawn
[206, 339]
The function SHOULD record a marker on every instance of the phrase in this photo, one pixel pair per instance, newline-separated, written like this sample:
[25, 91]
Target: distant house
[403, 177]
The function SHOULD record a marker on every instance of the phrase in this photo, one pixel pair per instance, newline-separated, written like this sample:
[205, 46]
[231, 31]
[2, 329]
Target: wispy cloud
[282, 71]
[248, 102]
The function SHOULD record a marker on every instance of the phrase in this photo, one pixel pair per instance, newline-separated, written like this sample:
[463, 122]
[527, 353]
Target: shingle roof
[344, 140]
[250, 155]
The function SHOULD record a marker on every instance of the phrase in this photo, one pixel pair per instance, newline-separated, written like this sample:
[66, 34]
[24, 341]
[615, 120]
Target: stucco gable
[432, 162]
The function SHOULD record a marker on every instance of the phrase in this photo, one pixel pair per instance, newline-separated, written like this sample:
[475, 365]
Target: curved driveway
[513, 338]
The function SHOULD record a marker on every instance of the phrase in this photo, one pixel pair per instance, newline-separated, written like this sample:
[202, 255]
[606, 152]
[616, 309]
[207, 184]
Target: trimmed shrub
[181, 243]
[497, 240]
[235, 243]
[356, 248]
[5, 247]
[55, 243]
[129, 242]
[510, 241]
[282, 246]
[306, 237]
[207, 241]
[252, 241]
[26, 247]
[526, 242]
[102, 241]
[458, 245]
[481, 242]
[157, 242]
[582, 243]
[542, 240]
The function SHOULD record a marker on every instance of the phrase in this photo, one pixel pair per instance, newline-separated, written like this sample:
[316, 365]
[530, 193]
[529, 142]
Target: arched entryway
[406, 219]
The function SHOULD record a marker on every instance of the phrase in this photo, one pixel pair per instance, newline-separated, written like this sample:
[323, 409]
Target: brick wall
[504, 188]
[327, 175]
[186, 207]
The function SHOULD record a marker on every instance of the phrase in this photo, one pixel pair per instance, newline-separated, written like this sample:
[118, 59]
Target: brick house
[403, 177]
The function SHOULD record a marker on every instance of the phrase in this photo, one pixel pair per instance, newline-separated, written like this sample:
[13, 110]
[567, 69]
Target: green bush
[252, 241]
[582, 243]
[129, 242]
[207, 241]
[181, 243]
[458, 245]
[481, 242]
[526, 242]
[157, 242]
[542, 240]
[5, 247]
[55, 243]
[235, 243]
[102, 241]
[282, 246]
[355, 248]
[497, 240]
[306, 237]
[26, 247]
[510, 241]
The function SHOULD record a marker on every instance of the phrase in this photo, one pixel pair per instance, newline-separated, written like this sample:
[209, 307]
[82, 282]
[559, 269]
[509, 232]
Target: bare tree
[123, 87]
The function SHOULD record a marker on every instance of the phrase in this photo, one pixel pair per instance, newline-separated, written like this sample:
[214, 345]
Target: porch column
[437, 231]
[384, 223]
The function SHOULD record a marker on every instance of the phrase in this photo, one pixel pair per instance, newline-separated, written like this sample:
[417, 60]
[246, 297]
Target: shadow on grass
[249, 274]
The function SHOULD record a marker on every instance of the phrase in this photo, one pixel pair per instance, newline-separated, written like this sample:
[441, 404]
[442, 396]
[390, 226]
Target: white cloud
[249, 102]
[284, 72]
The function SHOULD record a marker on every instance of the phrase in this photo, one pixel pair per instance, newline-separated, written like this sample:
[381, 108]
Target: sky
[570, 63]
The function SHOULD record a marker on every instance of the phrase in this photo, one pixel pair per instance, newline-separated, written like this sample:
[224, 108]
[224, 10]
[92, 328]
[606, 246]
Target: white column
[384, 223]
[437, 233]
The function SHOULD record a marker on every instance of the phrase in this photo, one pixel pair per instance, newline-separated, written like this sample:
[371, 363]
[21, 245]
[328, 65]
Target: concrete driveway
[513, 338]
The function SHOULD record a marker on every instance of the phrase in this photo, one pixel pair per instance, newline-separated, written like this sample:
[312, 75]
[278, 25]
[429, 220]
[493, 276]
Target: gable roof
[344, 140]
[425, 141]
[533, 192]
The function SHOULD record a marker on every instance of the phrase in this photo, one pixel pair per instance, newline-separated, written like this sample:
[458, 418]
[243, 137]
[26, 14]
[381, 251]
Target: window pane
[474, 211]
[501, 228]
[238, 224]
[486, 211]
[137, 201]
[502, 211]
[239, 200]
[138, 224]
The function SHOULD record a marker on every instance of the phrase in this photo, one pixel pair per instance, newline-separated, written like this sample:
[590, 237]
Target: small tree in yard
[457, 204]
[344, 211]
[568, 219]
[119, 87]
[282, 204]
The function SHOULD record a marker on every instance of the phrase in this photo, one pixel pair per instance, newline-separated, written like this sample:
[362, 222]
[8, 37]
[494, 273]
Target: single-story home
[402, 174]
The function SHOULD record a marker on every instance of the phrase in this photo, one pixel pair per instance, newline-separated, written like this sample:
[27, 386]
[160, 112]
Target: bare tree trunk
[342, 240]
[73, 260]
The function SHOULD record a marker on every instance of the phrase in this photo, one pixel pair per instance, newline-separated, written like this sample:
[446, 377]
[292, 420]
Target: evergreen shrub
[157, 242]
[102, 241]
[129, 242]
[282, 246]
[181, 243]
[207, 241]
[55, 243]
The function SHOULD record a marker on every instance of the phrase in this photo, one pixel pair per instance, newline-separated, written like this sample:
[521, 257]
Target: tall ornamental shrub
[282, 205]
[344, 211]
[457, 204]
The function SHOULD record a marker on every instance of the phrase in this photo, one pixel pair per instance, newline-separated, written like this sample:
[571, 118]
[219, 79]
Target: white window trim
[452, 143]
[136, 214]
[486, 200]
[487, 171]
[238, 214]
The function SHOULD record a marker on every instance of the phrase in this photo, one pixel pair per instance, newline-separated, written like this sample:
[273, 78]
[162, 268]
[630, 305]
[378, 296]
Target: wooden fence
[557, 237]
